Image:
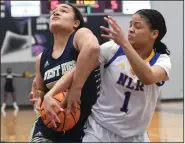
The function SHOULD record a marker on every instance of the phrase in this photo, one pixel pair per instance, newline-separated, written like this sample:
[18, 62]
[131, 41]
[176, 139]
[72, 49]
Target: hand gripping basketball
[54, 116]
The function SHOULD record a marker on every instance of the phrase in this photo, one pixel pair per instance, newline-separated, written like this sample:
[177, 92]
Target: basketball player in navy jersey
[73, 46]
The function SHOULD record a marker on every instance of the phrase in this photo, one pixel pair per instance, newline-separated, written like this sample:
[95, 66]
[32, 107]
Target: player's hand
[49, 104]
[72, 98]
[31, 98]
[116, 33]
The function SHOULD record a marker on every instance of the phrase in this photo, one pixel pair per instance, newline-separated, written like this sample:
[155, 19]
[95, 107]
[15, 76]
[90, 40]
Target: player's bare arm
[62, 84]
[86, 42]
[38, 86]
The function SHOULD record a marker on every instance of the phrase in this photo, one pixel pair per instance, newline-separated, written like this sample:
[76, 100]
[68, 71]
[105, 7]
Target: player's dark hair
[78, 16]
[156, 22]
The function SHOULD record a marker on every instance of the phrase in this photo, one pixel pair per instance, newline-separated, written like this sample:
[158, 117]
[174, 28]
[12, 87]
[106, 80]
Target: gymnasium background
[18, 50]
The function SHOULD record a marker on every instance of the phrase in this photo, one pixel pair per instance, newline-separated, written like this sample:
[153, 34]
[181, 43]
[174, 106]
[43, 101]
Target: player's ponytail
[161, 48]
[156, 22]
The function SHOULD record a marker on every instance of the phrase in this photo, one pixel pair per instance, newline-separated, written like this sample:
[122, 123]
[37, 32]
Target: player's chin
[131, 41]
[55, 26]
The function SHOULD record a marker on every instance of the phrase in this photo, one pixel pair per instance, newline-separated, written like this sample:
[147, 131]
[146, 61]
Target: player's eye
[137, 26]
[63, 10]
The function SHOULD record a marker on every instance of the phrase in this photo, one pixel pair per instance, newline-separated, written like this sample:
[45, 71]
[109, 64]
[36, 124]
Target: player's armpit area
[159, 74]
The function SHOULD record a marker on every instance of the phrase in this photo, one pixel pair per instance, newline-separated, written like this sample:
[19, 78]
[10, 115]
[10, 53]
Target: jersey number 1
[125, 104]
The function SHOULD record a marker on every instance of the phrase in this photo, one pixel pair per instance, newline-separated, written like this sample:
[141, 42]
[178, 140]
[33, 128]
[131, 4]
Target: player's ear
[76, 24]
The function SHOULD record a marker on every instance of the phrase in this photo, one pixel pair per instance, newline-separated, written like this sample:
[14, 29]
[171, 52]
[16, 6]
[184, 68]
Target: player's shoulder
[39, 56]
[163, 58]
[109, 46]
[82, 34]
[83, 31]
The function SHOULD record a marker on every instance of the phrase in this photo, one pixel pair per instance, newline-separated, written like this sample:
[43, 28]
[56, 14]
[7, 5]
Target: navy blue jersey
[53, 69]
[9, 83]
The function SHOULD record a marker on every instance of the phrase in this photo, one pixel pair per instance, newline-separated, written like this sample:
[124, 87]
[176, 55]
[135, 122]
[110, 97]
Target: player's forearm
[142, 70]
[63, 83]
[86, 63]
[41, 94]
[39, 89]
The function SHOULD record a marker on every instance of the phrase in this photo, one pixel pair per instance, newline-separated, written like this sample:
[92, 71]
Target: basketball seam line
[73, 117]
[57, 100]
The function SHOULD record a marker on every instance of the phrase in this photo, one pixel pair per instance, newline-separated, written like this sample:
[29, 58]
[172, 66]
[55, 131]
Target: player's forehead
[63, 6]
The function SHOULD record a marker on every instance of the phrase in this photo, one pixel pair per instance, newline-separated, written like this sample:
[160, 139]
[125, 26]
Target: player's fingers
[55, 116]
[63, 104]
[53, 123]
[58, 106]
[30, 96]
[74, 105]
[107, 36]
[108, 20]
[107, 30]
[48, 115]
[114, 21]
[33, 101]
[68, 109]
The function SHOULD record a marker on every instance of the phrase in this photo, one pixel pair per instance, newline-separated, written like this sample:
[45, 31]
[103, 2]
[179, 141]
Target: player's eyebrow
[64, 7]
[136, 22]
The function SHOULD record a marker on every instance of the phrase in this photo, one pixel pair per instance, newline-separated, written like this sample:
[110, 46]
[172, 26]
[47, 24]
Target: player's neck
[60, 40]
[144, 52]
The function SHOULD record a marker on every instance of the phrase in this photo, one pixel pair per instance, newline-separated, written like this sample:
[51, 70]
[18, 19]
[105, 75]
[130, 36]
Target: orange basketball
[66, 123]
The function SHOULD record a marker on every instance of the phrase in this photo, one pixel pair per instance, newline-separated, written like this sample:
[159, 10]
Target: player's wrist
[48, 95]
[76, 87]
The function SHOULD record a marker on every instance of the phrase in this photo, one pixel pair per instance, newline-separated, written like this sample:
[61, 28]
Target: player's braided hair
[156, 22]
[78, 16]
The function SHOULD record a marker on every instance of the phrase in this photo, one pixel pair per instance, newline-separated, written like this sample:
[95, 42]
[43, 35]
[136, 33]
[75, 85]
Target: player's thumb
[30, 96]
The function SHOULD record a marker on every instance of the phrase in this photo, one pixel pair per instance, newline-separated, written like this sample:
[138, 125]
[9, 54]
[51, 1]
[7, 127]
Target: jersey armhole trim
[118, 53]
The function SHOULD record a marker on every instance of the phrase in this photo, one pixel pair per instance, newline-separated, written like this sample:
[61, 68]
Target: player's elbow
[95, 49]
[147, 78]
[147, 82]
